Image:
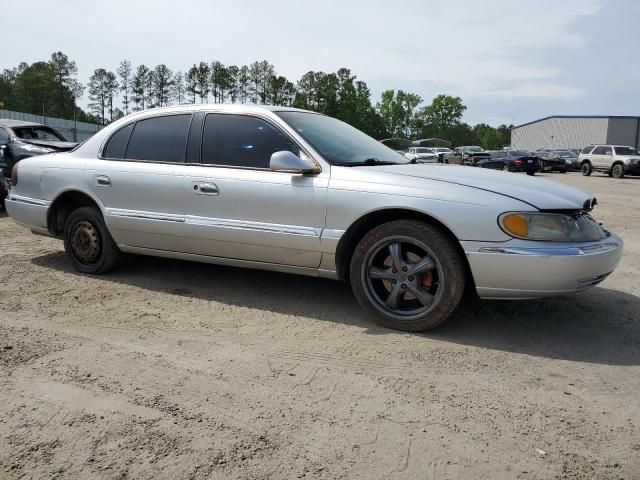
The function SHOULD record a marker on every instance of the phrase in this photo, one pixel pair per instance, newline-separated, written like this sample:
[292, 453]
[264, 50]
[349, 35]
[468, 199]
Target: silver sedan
[295, 191]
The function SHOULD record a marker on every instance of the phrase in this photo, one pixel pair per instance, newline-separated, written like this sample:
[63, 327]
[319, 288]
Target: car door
[597, 157]
[142, 179]
[607, 158]
[241, 209]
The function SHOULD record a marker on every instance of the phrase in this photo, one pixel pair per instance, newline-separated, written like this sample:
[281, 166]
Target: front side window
[587, 149]
[599, 151]
[339, 142]
[242, 141]
[4, 135]
[159, 139]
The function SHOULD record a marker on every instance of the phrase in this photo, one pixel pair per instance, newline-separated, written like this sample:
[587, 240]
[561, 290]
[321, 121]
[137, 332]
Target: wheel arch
[65, 203]
[357, 230]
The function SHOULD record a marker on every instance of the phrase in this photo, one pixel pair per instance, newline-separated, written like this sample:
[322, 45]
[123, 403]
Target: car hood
[59, 146]
[540, 193]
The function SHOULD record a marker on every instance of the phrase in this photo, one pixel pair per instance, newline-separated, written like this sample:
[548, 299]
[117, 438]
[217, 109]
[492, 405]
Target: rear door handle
[103, 181]
[205, 188]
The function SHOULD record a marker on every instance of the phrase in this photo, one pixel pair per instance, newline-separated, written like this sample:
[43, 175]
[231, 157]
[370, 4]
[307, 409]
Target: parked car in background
[467, 155]
[295, 191]
[440, 152]
[614, 160]
[421, 155]
[20, 140]
[512, 161]
[557, 160]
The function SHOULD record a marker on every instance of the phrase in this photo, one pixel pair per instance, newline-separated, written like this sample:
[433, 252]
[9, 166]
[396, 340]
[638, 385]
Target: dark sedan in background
[558, 160]
[512, 161]
[20, 140]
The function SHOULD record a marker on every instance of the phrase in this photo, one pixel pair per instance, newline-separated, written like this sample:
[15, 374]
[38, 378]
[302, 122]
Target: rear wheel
[531, 173]
[87, 242]
[407, 275]
[617, 171]
[506, 167]
[586, 169]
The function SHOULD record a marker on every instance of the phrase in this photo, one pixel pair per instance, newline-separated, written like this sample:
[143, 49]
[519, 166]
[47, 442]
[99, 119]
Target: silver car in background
[295, 191]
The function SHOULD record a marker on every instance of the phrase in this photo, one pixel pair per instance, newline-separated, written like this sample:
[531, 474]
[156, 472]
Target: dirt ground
[170, 369]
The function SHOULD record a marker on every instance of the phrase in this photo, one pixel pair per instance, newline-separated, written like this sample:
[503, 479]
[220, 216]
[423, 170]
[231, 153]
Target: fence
[72, 130]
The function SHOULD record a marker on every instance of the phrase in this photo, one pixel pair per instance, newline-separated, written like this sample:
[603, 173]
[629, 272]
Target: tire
[531, 173]
[617, 171]
[586, 169]
[388, 297]
[506, 168]
[87, 242]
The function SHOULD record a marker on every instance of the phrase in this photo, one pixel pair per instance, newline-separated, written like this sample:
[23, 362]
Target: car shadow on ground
[600, 325]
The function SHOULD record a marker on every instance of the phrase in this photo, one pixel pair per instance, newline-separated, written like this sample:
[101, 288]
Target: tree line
[51, 88]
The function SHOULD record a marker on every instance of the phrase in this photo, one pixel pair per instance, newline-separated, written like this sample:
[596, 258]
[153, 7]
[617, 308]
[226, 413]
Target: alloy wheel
[402, 277]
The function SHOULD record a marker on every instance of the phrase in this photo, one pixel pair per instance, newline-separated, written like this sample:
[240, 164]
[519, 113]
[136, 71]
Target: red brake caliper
[427, 280]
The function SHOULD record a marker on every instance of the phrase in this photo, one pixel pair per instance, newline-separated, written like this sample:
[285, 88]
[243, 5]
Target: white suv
[616, 160]
[422, 155]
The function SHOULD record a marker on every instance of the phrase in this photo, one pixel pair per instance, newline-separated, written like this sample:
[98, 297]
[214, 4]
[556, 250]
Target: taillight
[14, 175]
[517, 161]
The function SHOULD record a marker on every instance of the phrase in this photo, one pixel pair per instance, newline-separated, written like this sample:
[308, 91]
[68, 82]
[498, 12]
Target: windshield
[423, 150]
[338, 142]
[626, 151]
[473, 149]
[567, 154]
[519, 153]
[38, 133]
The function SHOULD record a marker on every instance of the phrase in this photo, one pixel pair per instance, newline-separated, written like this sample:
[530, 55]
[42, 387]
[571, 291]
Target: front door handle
[205, 188]
[103, 181]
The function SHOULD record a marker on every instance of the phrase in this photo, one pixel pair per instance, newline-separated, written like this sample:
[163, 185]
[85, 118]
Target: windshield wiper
[370, 162]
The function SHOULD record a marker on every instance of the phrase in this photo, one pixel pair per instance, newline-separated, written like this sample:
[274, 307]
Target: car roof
[7, 122]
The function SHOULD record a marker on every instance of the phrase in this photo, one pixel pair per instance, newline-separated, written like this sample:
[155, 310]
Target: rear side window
[587, 149]
[159, 139]
[117, 144]
[242, 141]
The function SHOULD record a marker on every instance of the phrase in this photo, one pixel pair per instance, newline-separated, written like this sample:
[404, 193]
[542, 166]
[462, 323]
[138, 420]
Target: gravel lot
[170, 369]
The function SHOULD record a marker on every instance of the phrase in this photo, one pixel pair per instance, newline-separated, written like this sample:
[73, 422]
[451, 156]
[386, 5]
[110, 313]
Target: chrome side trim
[553, 251]
[254, 226]
[165, 217]
[218, 222]
[31, 201]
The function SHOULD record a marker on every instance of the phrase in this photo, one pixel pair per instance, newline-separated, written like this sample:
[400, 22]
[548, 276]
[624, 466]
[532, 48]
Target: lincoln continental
[294, 191]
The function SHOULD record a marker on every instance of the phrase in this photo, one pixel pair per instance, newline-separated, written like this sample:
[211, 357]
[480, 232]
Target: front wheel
[87, 242]
[586, 169]
[407, 275]
[617, 171]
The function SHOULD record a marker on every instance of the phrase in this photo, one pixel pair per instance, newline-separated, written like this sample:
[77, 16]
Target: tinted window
[626, 151]
[117, 144]
[160, 139]
[587, 149]
[599, 150]
[4, 135]
[242, 141]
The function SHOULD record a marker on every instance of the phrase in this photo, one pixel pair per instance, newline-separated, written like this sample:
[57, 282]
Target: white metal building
[561, 131]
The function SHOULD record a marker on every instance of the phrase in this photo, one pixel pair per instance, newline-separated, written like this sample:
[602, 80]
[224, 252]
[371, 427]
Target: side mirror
[286, 161]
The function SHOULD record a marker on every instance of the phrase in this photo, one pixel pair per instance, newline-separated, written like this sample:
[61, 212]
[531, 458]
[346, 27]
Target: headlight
[551, 227]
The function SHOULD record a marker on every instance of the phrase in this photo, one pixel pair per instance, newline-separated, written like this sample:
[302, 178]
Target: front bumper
[520, 269]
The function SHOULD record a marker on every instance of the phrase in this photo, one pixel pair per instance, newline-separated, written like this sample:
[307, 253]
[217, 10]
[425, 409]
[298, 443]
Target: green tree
[64, 71]
[139, 89]
[444, 113]
[99, 93]
[191, 84]
[124, 74]
[202, 75]
[178, 91]
[161, 85]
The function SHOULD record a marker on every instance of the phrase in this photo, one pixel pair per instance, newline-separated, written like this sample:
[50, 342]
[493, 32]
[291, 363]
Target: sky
[511, 61]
